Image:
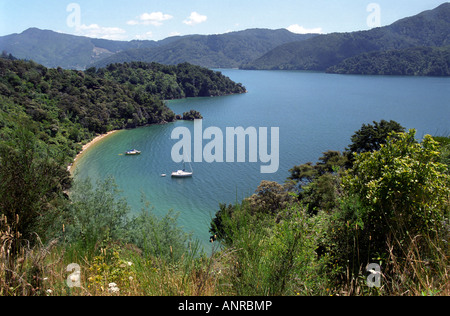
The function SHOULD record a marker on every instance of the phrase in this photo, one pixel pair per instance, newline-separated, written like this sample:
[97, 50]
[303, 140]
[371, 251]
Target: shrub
[395, 204]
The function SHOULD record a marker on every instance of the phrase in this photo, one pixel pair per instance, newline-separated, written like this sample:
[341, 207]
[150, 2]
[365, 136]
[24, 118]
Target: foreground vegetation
[384, 201]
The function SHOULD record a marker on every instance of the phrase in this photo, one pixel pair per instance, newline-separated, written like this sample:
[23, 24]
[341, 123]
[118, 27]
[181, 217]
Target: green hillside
[429, 28]
[67, 107]
[170, 82]
[228, 50]
[417, 61]
[53, 49]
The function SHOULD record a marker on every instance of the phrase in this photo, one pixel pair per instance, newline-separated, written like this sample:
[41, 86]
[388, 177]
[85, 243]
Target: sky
[159, 19]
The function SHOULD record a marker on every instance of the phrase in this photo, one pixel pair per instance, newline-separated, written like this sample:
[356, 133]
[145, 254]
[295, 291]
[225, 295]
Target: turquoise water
[314, 112]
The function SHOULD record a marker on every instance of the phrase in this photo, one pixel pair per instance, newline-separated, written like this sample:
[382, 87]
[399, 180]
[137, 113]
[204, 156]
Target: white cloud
[133, 22]
[195, 18]
[97, 31]
[154, 18]
[298, 29]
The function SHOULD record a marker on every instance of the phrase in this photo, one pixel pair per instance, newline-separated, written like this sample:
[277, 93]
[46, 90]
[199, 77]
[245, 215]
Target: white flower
[75, 277]
[113, 288]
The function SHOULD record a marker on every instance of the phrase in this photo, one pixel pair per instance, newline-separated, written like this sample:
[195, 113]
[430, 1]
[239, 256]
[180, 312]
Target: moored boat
[133, 152]
[183, 173]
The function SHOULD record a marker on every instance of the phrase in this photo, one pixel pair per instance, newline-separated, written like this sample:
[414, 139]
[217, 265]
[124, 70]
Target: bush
[156, 237]
[272, 256]
[403, 185]
[95, 214]
[395, 204]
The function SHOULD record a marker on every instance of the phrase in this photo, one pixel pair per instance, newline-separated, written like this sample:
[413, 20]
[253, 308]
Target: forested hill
[429, 28]
[53, 49]
[66, 107]
[417, 61]
[229, 50]
[170, 81]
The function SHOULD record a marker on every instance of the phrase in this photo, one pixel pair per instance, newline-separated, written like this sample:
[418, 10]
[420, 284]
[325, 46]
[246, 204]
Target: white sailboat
[183, 173]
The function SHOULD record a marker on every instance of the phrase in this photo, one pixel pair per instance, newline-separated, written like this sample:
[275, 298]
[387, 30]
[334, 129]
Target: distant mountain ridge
[53, 49]
[251, 49]
[429, 28]
[229, 50]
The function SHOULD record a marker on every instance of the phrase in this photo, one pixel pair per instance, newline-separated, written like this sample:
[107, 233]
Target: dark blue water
[315, 112]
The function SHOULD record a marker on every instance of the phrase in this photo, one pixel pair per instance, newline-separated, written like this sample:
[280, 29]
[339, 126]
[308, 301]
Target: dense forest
[68, 107]
[170, 81]
[418, 61]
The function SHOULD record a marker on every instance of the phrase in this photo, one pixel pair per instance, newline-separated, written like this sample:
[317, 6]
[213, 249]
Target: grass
[256, 266]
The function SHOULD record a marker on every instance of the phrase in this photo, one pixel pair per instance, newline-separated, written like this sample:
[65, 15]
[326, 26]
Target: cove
[315, 112]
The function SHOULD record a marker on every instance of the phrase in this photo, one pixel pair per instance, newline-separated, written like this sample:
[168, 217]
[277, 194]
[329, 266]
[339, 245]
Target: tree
[192, 115]
[95, 214]
[318, 185]
[270, 198]
[32, 182]
[371, 137]
[303, 174]
[403, 189]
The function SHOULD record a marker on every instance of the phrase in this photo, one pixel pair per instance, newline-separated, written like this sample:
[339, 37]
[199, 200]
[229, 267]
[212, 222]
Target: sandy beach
[86, 147]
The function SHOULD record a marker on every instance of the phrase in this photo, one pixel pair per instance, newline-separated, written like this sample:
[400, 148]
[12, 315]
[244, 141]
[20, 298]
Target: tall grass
[270, 256]
[260, 255]
[269, 259]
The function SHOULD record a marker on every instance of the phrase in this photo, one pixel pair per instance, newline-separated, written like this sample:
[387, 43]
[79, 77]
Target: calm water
[314, 111]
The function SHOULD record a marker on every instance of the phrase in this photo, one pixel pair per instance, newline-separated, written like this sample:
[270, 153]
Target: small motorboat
[132, 152]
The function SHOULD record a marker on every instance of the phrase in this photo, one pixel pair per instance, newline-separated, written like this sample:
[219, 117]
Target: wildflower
[113, 288]
[75, 277]
[49, 292]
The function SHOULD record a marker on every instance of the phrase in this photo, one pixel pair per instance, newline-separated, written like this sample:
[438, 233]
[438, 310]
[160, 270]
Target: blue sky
[158, 19]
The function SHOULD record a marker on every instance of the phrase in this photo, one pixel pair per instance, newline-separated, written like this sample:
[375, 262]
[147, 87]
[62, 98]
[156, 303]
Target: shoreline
[98, 138]
[71, 167]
